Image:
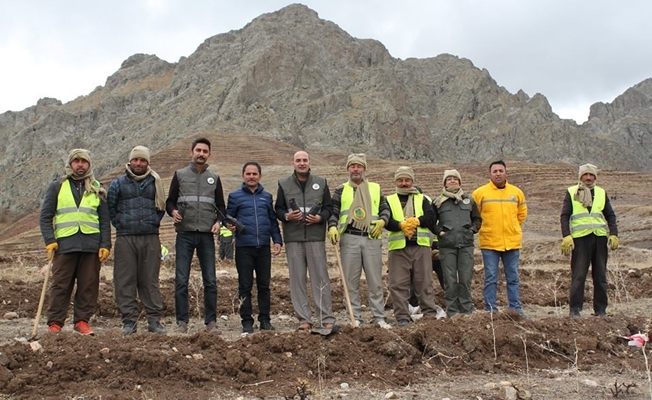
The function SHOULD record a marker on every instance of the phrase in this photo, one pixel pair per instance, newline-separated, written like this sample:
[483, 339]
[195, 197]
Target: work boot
[266, 326]
[212, 328]
[54, 328]
[83, 328]
[600, 313]
[129, 328]
[182, 327]
[155, 327]
[248, 327]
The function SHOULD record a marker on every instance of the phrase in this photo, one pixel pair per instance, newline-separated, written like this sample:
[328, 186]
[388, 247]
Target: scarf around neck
[408, 210]
[583, 195]
[360, 211]
[451, 192]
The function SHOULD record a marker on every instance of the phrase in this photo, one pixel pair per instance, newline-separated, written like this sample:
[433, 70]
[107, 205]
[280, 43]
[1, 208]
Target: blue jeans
[490, 259]
[186, 244]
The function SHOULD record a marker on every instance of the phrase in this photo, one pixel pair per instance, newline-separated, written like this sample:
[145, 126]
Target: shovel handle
[42, 299]
[346, 290]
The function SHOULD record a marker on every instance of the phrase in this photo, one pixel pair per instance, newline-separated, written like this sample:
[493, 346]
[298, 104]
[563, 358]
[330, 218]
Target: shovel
[346, 290]
[42, 300]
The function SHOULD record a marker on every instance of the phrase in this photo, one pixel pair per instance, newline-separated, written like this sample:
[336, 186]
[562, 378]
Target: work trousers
[68, 268]
[411, 267]
[589, 250]
[361, 253]
[457, 266]
[137, 263]
[309, 258]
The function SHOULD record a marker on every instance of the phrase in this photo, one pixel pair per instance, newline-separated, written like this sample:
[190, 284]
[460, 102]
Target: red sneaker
[54, 328]
[83, 328]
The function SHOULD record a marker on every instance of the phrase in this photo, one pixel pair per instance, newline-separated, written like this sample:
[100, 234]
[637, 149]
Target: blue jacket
[256, 212]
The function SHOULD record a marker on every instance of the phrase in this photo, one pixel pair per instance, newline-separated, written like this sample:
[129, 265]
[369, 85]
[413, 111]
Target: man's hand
[215, 229]
[294, 215]
[51, 249]
[333, 235]
[612, 242]
[176, 216]
[103, 254]
[435, 254]
[277, 249]
[377, 229]
[409, 226]
[567, 245]
[313, 219]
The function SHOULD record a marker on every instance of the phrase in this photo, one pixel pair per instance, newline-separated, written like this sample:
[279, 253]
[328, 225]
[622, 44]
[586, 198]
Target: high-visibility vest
[583, 222]
[396, 240]
[69, 218]
[347, 199]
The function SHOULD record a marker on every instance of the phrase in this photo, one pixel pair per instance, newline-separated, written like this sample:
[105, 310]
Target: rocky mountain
[298, 79]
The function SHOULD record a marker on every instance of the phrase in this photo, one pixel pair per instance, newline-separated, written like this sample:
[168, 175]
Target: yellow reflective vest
[69, 218]
[583, 222]
[347, 199]
[396, 240]
[225, 232]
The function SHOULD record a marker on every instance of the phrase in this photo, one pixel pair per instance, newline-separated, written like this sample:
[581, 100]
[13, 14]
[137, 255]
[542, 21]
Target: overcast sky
[575, 52]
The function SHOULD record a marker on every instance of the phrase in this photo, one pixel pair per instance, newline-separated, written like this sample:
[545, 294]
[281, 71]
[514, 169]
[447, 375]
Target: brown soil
[546, 356]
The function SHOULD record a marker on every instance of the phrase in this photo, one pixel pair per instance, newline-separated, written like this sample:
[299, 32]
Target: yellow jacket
[502, 211]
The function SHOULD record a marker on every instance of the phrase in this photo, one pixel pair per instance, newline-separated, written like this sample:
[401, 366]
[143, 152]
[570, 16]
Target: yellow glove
[103, 254]
[51, 248]
[409, 226]
[377, 229]
[333, 235]
[567, 245]
[612, 242]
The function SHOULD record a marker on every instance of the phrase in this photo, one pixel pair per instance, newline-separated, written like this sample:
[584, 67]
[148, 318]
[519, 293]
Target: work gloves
[103, 254]
[612, 242]
[409, 226]
[377, 229]
[51, 249]
[333, 235]
[567, 245]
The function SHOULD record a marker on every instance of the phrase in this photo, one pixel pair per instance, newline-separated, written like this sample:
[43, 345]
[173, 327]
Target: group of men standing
[75, 225]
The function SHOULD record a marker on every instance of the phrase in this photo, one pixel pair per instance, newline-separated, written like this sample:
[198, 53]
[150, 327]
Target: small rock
[104, 350]
[524, 394]
[49, 365]
[198, 356]
[391, 395]
[490, 385]
[36, 346]
[508, 393]
[224, 317]
[10, 315]
[506, 383]
[20, 339]
[107, 360]
[175, 350]
[288, 354]
[344, 385]
[589, 382]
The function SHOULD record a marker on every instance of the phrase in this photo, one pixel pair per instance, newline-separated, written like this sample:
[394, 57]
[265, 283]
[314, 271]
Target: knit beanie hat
[79, 154]
[451, 172]
[404, 172]
[588, 168]
[357, 158]
[139, 152]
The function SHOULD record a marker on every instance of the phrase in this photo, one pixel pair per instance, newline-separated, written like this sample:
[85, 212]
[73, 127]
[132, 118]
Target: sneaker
[155, 327]
[441, 313]
[248, 327]
[129, 328]
[403, 324]
[83, 328]
[212, 327]
[414, 310]
[54, 328]
[574, 314]
[266, 326]
[182, 327]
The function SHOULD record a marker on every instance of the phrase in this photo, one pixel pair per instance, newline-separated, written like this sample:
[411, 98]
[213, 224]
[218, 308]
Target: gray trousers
[361, 253]
[136, 269]
[457, 265]
[411, 267]
[310, 258]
